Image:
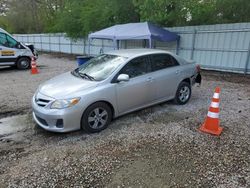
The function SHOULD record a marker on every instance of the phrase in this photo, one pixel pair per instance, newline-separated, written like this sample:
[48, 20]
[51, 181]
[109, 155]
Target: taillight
[198, 68]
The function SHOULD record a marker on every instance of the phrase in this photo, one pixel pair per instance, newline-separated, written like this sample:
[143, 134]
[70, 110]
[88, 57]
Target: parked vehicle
[110, 85]
[14, 53]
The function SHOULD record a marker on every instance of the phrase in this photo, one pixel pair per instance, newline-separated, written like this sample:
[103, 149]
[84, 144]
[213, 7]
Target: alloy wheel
[184, 94]
[97, 118]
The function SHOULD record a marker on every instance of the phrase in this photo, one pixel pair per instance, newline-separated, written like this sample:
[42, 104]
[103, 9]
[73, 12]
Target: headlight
[64, 103]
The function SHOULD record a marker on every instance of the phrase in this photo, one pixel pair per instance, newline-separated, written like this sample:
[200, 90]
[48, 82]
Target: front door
[7, 49]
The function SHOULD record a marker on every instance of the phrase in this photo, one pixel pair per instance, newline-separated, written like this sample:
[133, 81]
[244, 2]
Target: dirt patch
[71, 57]
[228, 77]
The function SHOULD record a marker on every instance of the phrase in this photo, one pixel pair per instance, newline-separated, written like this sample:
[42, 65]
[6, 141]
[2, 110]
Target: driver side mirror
[18, 45]
[123, 78]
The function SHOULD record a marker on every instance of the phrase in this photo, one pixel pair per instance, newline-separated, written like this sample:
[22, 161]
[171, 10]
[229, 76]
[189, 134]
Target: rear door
[8, 50]
[137, 91]
[166, 72]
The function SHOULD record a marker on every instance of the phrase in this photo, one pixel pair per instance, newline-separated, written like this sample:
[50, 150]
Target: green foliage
[80, 17]
[30, 16]
[229, 11]
[69, 19]
[163, 12]
[4, 23]
[22, 16]
[202, 12]
[193, 12]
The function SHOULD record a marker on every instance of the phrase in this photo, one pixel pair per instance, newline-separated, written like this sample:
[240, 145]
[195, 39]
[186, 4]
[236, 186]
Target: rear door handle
[177, 72]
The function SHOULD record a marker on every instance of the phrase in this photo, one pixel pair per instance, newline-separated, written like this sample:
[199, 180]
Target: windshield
[100, 67]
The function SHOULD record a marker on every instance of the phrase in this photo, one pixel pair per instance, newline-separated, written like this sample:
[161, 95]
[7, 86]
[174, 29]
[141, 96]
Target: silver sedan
[110, 85]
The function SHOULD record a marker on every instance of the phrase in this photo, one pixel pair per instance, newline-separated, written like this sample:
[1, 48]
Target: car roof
[129, 53]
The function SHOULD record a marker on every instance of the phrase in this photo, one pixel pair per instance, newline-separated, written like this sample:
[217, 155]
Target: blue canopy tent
[135, 31]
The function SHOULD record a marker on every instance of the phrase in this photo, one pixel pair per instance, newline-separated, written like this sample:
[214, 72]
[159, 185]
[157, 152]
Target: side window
[3, 40]
[136, 67]
[12, 42]
[175, 62]
[7, 41]
[162, 61]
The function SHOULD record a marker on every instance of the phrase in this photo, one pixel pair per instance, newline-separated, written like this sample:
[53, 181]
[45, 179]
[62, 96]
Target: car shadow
[148, 110]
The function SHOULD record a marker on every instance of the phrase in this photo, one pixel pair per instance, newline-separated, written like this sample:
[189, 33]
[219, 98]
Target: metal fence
[224, 47]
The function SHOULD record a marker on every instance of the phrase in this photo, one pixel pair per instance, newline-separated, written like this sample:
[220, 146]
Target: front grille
[42, 121]
[42, 102]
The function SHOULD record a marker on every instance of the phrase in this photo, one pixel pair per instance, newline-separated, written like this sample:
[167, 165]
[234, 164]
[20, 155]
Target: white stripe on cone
[213, 114]
[33, 64]
[216, 95]
[215, 105]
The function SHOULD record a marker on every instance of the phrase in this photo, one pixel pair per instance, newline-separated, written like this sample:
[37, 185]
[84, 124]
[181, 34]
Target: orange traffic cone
[34, 69]
[212, 124]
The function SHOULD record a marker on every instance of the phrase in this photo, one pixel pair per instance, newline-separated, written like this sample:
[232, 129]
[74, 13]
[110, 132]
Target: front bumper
[57, 120]
[35, 53]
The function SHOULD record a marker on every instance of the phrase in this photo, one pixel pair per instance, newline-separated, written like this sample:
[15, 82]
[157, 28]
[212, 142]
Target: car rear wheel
[183, 93]
[23, 63]
[96, 117]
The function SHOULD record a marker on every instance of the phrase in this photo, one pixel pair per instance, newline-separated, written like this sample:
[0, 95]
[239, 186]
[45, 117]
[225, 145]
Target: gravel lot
[156, 147]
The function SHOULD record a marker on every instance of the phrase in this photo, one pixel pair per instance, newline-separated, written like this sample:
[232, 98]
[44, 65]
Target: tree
[201, 12]
[3, 7]
[23, 17]
[31, 16]
[81, 17]
[162, 12]
[231, 11]
[49, 9]
[176, 12]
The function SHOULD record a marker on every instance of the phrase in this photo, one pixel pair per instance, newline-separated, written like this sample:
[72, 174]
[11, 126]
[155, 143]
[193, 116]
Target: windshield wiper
[85, 75]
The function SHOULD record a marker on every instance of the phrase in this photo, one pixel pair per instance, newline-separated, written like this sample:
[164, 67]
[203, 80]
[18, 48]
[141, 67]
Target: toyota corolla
[111, 85]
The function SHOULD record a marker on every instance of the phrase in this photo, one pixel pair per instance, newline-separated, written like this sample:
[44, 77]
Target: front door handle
[177, 72]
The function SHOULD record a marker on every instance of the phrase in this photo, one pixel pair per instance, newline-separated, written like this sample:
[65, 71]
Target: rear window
[162, 61]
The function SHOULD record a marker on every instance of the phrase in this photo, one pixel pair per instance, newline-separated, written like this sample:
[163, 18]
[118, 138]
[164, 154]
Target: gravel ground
[156, 147]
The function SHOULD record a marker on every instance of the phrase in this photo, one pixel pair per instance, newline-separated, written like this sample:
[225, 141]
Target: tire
[23, 63]
[183, 93]
[96, 117]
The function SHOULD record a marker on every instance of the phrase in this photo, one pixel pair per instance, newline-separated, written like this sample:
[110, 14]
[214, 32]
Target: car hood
[65, 86]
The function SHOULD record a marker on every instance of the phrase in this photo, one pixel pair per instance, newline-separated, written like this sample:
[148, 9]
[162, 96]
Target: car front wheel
[23, 63]
[96, 117]
[183, 93]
